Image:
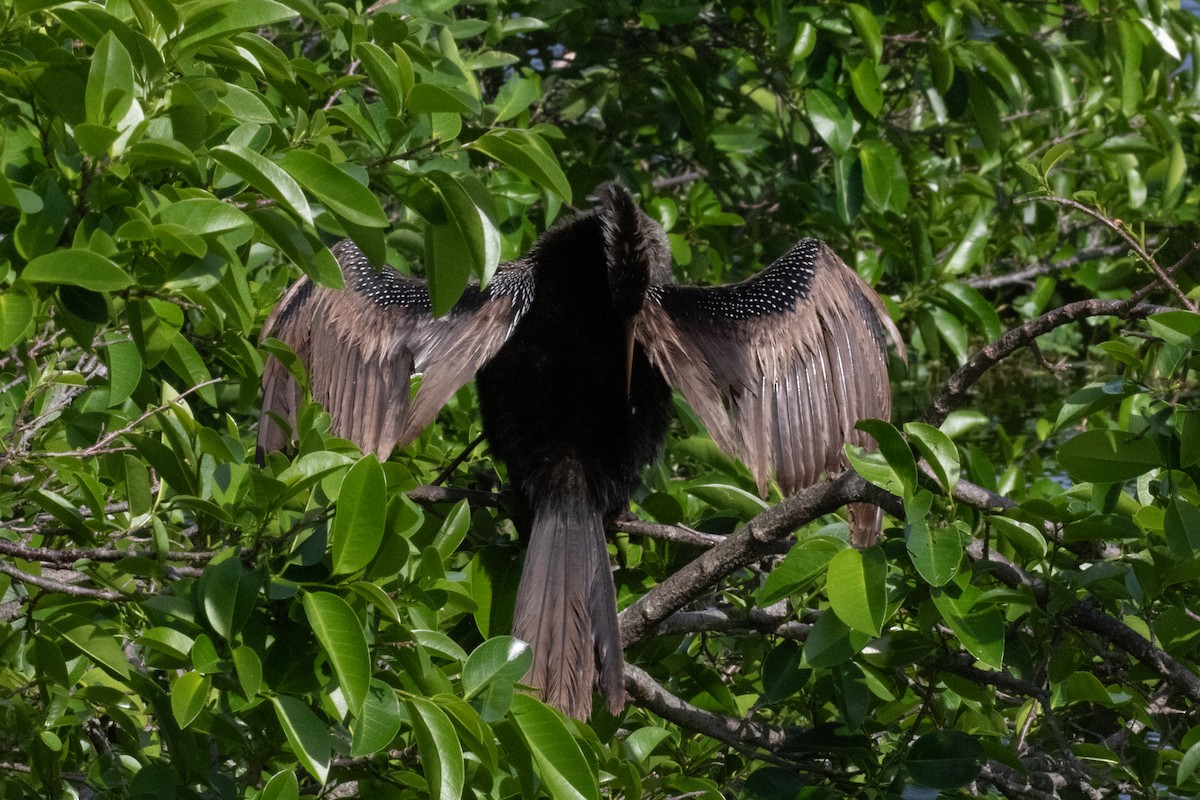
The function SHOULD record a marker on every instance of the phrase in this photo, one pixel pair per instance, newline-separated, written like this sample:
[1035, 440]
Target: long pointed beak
[629, 342]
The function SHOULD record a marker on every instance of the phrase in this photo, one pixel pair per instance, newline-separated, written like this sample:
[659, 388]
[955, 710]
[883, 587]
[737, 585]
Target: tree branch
[650, 694]
[953, 390]
[1026, 275]
[51, 585]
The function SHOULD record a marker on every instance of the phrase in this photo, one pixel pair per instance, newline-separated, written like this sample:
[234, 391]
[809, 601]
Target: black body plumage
[575, 349]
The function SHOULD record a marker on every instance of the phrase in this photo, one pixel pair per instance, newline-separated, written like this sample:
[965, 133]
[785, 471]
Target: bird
[575, 349]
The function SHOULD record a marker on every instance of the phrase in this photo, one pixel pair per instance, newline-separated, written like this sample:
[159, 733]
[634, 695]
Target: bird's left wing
[780, 367]
[362, 346]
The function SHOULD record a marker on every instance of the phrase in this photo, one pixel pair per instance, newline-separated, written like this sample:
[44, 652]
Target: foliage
[176, 621]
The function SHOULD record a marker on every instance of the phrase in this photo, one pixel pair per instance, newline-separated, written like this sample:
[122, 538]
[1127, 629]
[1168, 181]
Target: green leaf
[895, 451]
[983, 108]
[453, 530]
[384, 74]
[77, 268]
[341, 635]
[208, 21]
[188, 695]
[1021, 535]
[884, 181]
[978, 625]
[266, 176]
[428, 98]
[831, 642]
[109, 93]
[502, 659]
[358, 527]
[867, 28]
[527, 153]
[16, 312]
[729, 499]
[973, 304]
[969, 250]
[830, 118]
[208, 216]
[560, 763]
[124, 371]
[441, 753]
[339, 192]
[308, 735]
[857, 587]
[639, 744]
[1092, 398]
[229, 591]
[378, 722]
[471, 225]
[945, 759]
[936, 551]
[249, 669]
[448, 258]
[1179, 328]
[1106, 456]
[864, 79]
[1188, 764]
[1181, 523]
[282, 786]
[807, 560]
[97, 643]
[938, 450]
[1131, 67]
[513, 98]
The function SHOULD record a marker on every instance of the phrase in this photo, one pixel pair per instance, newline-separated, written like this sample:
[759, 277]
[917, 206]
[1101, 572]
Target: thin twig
[1120, 230]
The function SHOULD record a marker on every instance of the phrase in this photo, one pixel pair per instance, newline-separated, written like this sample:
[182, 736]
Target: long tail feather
[566, 610]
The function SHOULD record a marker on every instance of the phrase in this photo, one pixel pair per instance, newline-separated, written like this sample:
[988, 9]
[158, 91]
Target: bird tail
[566, 610]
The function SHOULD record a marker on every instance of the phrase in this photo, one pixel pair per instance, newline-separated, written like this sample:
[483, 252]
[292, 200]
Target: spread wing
[780, 367]
[362, 346]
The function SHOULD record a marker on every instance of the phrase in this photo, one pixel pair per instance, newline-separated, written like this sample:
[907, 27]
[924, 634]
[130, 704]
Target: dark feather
[363, 345]
[780, 367]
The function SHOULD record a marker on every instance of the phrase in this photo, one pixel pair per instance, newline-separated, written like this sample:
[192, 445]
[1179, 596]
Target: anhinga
[575, 349]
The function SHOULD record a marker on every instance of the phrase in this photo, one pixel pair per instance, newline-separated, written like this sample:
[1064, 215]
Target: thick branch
[649, 694]
[51, 585]
[756, 539]
[773, 621]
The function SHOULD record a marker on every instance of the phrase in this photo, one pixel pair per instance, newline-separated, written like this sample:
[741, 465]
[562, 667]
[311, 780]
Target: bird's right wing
[780, 367]
[361, 347]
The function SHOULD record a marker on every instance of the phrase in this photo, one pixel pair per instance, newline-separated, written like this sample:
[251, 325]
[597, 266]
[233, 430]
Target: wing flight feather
[367, 342]
[780, 367]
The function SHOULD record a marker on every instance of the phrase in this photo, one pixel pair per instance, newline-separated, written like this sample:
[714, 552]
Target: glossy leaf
[340, 633]
[527, 153]
[938, 451]
[308, 736]
[16, 313]
[857, 587]
[441, 753]
[560, 763]
[266, 176]
[110, 82]
[188, 695]
[77, 268]
[358, 526]
[502, 658]
[336, 190]
[936, 551]
[378, 722]
[976, 623]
